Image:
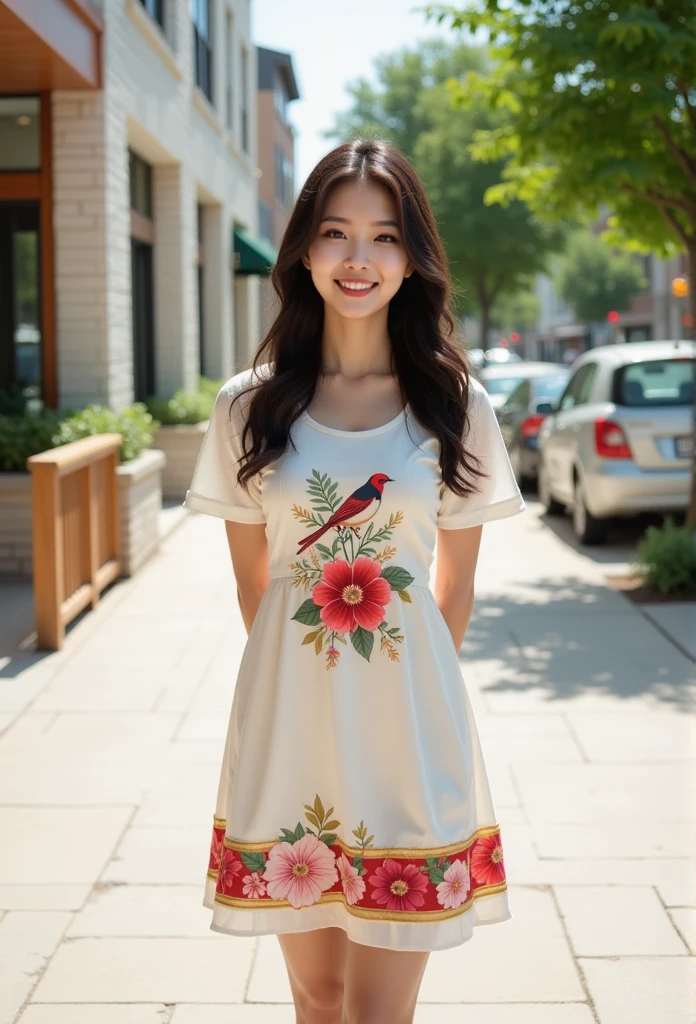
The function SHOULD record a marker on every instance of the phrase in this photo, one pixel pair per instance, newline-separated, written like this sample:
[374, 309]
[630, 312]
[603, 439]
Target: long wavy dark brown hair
[431, 367]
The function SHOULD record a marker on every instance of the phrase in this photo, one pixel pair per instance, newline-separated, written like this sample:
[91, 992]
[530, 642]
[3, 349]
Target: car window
[657, 382]
[500, 385]
[549, 388]
[587, 383]
[519, 398]
[572, 391]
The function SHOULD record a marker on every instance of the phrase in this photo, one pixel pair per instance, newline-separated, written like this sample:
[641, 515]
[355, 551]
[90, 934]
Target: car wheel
[587, 528]
[549, 503]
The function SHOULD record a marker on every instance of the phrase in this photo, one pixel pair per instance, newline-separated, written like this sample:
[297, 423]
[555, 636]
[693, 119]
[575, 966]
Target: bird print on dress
[351, 583]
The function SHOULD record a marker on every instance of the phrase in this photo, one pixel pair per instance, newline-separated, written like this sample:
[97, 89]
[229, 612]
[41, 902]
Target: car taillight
[610, 440]
[532, 425]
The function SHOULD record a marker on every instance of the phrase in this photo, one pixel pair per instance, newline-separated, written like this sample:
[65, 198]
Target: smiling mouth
[356, 288]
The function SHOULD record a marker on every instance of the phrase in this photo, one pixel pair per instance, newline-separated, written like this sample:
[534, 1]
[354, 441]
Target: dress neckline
[355, 433]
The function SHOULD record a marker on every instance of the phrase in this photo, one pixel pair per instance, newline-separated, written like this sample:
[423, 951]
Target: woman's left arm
[455, 568]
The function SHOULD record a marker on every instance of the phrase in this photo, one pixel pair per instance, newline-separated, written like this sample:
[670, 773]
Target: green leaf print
[363, 641]
[396, 577]
[292, 837]
[254, 861]
[308, 613]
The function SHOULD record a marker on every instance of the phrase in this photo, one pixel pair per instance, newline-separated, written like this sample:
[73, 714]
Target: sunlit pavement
[109, 768]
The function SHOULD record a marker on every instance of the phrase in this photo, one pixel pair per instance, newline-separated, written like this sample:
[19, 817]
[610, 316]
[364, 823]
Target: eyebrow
[375, 223]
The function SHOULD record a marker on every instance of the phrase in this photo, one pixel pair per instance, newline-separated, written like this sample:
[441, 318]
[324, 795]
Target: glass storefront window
[20, 148]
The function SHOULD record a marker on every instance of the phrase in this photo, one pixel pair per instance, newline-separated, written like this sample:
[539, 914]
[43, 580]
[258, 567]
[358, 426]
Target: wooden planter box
[181, 444]
[140, 503]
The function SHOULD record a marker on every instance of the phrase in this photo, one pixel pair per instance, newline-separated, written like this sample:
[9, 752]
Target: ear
[409, 270]
[305, 260]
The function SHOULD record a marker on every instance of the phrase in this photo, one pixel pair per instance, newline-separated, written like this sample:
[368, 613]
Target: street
[109, 767]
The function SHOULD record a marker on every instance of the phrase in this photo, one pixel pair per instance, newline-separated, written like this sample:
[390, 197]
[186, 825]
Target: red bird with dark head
[358, 508]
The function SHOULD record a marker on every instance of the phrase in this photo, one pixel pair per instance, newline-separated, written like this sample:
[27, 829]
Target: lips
[355, 287]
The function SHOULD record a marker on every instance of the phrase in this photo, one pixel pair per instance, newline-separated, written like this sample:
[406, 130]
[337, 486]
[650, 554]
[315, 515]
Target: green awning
[252, 255]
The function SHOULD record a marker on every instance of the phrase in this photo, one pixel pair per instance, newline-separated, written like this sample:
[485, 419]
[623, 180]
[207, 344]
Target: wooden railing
[76, 531]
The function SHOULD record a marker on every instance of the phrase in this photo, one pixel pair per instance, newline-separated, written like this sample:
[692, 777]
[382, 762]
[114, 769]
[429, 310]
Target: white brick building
[147, 165]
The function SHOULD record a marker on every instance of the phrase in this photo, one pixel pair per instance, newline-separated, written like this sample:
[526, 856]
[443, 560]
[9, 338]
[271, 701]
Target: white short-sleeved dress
[353, 790]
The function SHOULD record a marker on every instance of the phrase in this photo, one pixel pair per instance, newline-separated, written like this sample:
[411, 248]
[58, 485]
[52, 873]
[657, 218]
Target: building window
[155, 8]
[245, 100]
[283, 179]
[20, 298]
[202, 45]
[229, 74]
[201, 288]
[280, 98]
[265, 221]
[19, 133]
[142, 277]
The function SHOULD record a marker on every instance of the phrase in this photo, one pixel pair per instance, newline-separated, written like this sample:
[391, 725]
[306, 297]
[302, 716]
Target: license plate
[684, 446]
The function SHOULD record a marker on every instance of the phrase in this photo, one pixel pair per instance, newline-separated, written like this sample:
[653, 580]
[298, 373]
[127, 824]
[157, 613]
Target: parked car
[522, 415]
[621, 439]
[501, 381]
[500, 354]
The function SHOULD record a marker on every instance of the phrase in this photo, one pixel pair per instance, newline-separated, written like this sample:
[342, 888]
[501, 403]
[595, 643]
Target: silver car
[620, 439]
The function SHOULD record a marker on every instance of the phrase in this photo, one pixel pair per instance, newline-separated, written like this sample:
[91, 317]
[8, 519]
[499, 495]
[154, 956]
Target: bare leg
[316, 966]
[381, 985]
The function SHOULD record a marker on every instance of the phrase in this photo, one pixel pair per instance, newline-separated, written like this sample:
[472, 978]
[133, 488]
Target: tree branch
[687, 206]
[687, 164]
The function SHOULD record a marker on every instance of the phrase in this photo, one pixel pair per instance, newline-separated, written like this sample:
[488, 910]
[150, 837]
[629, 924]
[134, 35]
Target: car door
[559, 447]
[514, 411]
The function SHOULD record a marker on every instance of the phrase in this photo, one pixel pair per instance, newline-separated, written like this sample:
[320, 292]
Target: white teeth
[355, 287]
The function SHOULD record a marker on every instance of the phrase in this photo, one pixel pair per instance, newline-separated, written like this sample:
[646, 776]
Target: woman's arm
[249, 551]
[457, 554]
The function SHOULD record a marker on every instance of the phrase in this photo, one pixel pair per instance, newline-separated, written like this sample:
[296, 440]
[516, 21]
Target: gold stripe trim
[237, 902]
[372, 852]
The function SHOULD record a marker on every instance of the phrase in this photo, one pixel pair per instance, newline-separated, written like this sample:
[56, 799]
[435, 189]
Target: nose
[358, 258]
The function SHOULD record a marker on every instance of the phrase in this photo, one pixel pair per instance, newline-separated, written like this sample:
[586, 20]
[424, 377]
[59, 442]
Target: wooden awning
[49, 44]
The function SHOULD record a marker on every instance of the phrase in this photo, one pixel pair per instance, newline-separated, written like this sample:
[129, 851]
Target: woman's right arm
[249, 551]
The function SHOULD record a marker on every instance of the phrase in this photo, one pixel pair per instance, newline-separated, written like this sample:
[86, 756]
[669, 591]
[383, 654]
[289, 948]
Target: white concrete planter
[181, 444]
[16, 539]
[140, 504]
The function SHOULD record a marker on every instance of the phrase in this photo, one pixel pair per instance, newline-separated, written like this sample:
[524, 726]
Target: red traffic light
[514, 336]
[612, 316]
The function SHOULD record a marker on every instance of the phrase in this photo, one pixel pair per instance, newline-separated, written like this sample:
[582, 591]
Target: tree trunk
[691, 265]
[485, 322]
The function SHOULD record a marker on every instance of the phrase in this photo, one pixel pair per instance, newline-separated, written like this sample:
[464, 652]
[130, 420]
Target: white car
[500, 381]
[620, 439]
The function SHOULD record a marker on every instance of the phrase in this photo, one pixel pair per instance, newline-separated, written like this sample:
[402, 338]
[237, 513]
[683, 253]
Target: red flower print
[230, 866]
[400, 886]
[486, 863]
[216, 848]
[352, 595]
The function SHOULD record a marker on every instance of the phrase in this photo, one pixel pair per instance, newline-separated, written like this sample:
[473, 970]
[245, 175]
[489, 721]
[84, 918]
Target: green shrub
[182, 407]
[667, 558]
[135, 423]
[209, 387]
[22, 436]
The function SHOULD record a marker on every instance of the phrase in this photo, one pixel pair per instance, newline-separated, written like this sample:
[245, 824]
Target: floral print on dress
[310, 861]
[351, 584]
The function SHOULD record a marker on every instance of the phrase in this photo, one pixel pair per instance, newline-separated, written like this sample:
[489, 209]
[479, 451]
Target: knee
[321, 1002]
[373, 1013]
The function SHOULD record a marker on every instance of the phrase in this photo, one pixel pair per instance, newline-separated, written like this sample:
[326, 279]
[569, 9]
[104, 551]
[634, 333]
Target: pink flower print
[486, 862]
[352, 595]
[353, 884]
[230, 866]
[400, 886]
[216, 849]
[254, 886]
[299, 872]
[452, 892]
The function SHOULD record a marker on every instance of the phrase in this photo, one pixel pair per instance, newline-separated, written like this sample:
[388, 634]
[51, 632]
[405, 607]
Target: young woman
[354, 816]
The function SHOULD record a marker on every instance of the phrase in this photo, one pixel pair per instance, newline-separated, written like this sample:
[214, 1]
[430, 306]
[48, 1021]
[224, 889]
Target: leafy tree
[594, 279]
[601, 104]
[515, 311]
[490, 250]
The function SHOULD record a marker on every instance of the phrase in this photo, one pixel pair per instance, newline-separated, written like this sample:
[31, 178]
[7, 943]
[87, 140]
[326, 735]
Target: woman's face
[357, 260]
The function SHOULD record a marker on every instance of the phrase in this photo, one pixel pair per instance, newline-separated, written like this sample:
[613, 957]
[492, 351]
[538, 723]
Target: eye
[332, 231]
[390, 238]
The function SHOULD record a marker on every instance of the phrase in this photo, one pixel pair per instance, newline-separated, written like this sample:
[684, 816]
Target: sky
[333, 42]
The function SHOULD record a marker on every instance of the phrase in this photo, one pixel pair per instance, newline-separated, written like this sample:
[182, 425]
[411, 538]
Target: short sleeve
[214, 489]
[497, 495]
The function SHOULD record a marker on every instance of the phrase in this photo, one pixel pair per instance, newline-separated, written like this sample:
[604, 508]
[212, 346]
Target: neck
[354, 348]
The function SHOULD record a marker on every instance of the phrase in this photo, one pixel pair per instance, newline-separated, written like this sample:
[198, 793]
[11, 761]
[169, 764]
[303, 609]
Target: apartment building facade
[128, 196]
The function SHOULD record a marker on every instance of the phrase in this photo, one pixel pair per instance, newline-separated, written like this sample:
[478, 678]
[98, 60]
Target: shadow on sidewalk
[572, 639]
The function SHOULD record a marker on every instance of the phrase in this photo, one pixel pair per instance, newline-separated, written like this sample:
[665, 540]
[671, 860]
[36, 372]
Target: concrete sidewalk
[109, 765]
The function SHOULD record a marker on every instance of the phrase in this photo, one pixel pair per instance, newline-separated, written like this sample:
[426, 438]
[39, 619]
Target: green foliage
[513, 311]
[135, 423]
[593, 278]
[25, 435]
[186, 406]
[490, 250]
[667, 558]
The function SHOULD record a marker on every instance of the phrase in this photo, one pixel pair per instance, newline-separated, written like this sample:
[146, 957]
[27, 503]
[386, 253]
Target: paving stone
[246, 1014]
[145, 911]
[513, 1013]
[198, 725]
[38, 896]
[527, 738]
[269, 977]
[685, 921]
[651, 736]
[85, 691]
[642, 990]
[614, 840]
[27, 940]
[617, 920]
[161, 856]
[146, 970]
[62, 846]
[94, 1013]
